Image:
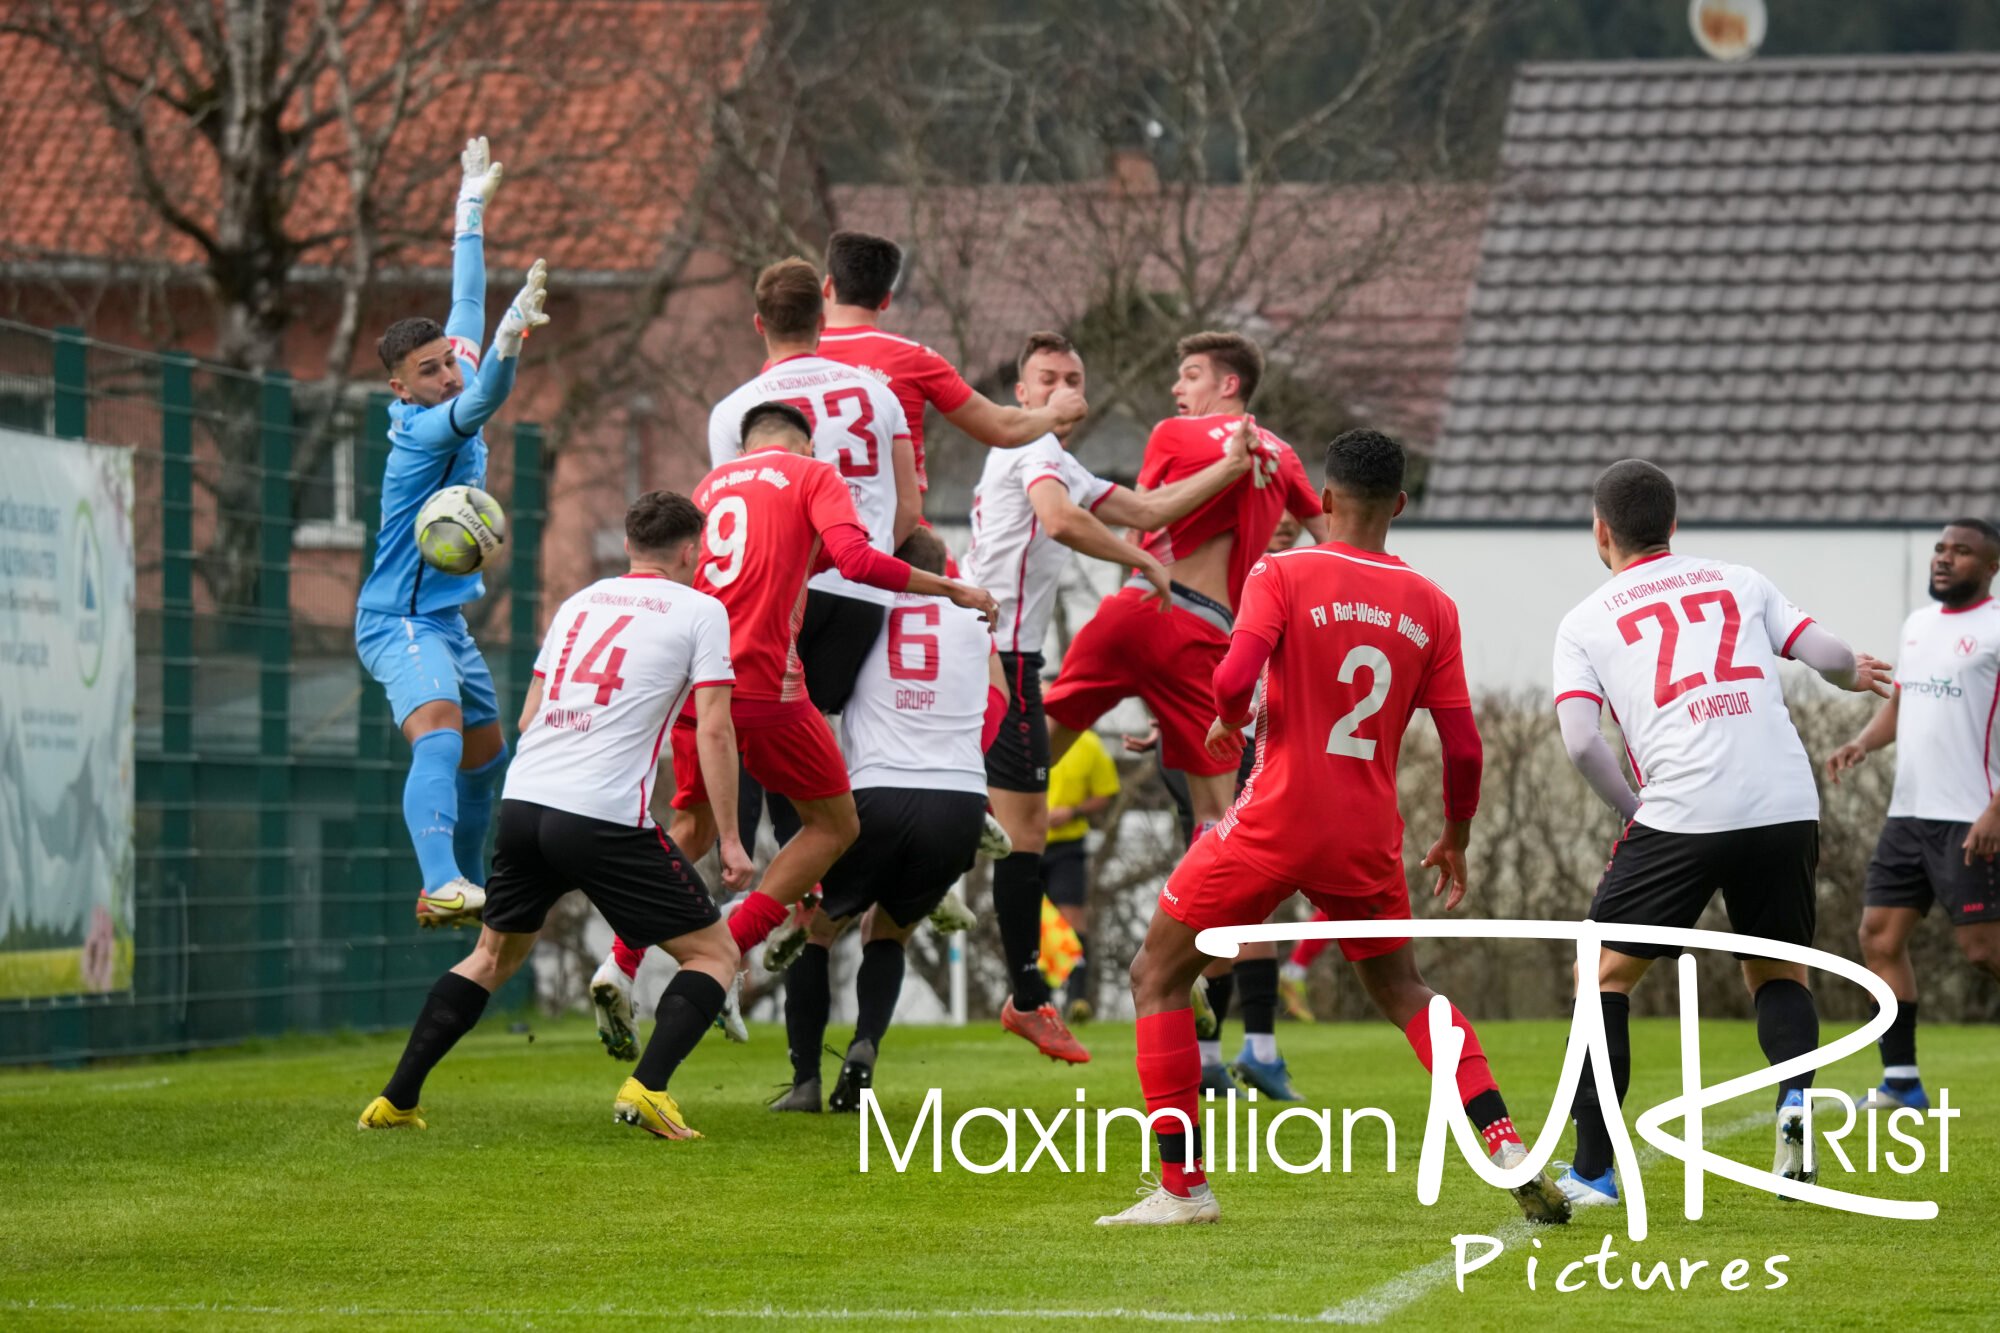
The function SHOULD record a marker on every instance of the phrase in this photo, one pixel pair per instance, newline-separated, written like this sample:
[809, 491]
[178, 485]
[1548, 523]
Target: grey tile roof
[1780, 281]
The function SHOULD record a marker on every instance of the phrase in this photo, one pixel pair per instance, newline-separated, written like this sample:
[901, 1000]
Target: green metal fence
[275, 880]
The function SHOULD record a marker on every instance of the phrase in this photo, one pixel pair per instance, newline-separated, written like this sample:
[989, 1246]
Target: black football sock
[1899, 1046]
[1487, 1109]
[1257, 998]
[1787, 1027]
[1593, 1140]
[449, 1012]
[1017, 909]
[749, 808]
[876, 986]
[1220, 990]
[785, 821]
[808, 997]
[1078, 985]
[687, 1009]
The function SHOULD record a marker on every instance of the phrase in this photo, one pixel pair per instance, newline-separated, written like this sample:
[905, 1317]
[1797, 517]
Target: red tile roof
[596, 107]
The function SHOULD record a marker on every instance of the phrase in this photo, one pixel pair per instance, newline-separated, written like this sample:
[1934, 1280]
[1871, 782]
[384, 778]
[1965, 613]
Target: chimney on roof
[1133, 172]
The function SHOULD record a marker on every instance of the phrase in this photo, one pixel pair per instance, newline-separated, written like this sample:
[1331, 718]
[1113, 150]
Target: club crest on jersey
[1966, 646]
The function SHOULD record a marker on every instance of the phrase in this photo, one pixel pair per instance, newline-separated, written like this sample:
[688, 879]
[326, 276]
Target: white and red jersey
[919, 700]
[913, 372]
[1182, 446]
[620, 660]
[766, 511]
[1361, 641]
[856, 423]
[1947, 688]
[1684, 651]
[1011, 556]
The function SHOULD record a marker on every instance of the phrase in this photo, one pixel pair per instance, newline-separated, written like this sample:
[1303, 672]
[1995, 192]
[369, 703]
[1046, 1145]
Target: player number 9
[726, 552]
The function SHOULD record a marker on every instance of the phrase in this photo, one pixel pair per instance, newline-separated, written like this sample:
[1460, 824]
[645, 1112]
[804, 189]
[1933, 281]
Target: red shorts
[794, 756]
[1132, 649]
[1216, 885]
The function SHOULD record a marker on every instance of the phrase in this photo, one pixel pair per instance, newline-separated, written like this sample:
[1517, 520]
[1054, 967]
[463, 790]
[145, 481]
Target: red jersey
[1360, 641]
[913, 372]
[1182, 446]
[766, 513]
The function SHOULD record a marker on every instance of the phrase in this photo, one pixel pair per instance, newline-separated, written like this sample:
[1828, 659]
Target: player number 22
[1694, 606]
[726, 549]
[1342, 740]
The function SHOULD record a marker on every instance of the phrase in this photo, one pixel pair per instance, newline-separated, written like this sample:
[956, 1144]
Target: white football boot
[994, 844]
[1158, 1207]
[952, 915]
[730, 1020]
[1539, 1197]
[1789, 1160]
[611, 999]
[456, 904]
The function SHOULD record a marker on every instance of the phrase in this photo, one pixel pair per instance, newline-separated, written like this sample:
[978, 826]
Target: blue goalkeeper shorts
[423, 659]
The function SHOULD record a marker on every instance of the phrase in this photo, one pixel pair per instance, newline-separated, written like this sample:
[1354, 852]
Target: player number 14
[1342, 740]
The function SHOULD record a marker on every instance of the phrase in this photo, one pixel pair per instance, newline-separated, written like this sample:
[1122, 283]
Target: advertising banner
[66, 717]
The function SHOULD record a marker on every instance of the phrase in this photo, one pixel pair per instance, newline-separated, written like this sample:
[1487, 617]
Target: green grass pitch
[233, 1191]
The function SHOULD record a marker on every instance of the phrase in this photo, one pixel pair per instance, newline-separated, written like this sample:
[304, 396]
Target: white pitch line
[1377, 1304]
[768, 1312]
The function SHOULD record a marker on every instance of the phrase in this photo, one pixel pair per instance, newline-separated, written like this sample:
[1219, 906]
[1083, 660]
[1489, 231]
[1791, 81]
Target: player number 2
[903, 637]
[725, 549]
[1342, 740]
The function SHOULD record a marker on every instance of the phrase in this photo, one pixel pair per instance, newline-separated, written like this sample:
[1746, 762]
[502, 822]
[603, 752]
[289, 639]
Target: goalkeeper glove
[524, 314]
[478, 182]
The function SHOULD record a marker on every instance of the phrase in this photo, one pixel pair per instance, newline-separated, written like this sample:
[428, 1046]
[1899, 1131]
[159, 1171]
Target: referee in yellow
[1081, 784]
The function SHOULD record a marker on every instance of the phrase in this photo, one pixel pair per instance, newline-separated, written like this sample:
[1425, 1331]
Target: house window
[26, 404]
[324, 513]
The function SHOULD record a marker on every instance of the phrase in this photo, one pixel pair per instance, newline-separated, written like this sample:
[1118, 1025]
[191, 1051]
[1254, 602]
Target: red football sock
[1474, 1077]
[1306, 952]
[627, 957]
[754, 918]
[1170, 1076]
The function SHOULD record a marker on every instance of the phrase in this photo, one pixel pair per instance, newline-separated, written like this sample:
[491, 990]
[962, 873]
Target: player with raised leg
[926, 703]
[1348, 641]
[408, 629]
[1033, 506]
[1684, 651]
[617, 663]
[1127, 649]
[1943, 829]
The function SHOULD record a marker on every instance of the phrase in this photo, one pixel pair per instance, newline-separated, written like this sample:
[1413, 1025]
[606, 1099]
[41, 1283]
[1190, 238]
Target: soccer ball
[459, 528]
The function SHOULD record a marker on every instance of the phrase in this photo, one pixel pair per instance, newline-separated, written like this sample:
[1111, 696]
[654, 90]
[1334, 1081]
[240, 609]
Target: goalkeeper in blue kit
[408, 628]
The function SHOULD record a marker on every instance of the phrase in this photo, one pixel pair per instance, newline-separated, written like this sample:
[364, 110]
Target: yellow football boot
[654, 1112]
[381, 1115]
[1297, 1000]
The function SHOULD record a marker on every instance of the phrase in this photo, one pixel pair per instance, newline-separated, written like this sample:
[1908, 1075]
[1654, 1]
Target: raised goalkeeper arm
[479, 180]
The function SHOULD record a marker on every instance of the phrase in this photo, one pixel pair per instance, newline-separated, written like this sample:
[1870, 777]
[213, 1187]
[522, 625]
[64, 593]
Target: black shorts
[913, 847]
[836, 634]
[1066, 873]
[645, 888]
[1921, 861]
[1019, 759]
[1767, 876]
